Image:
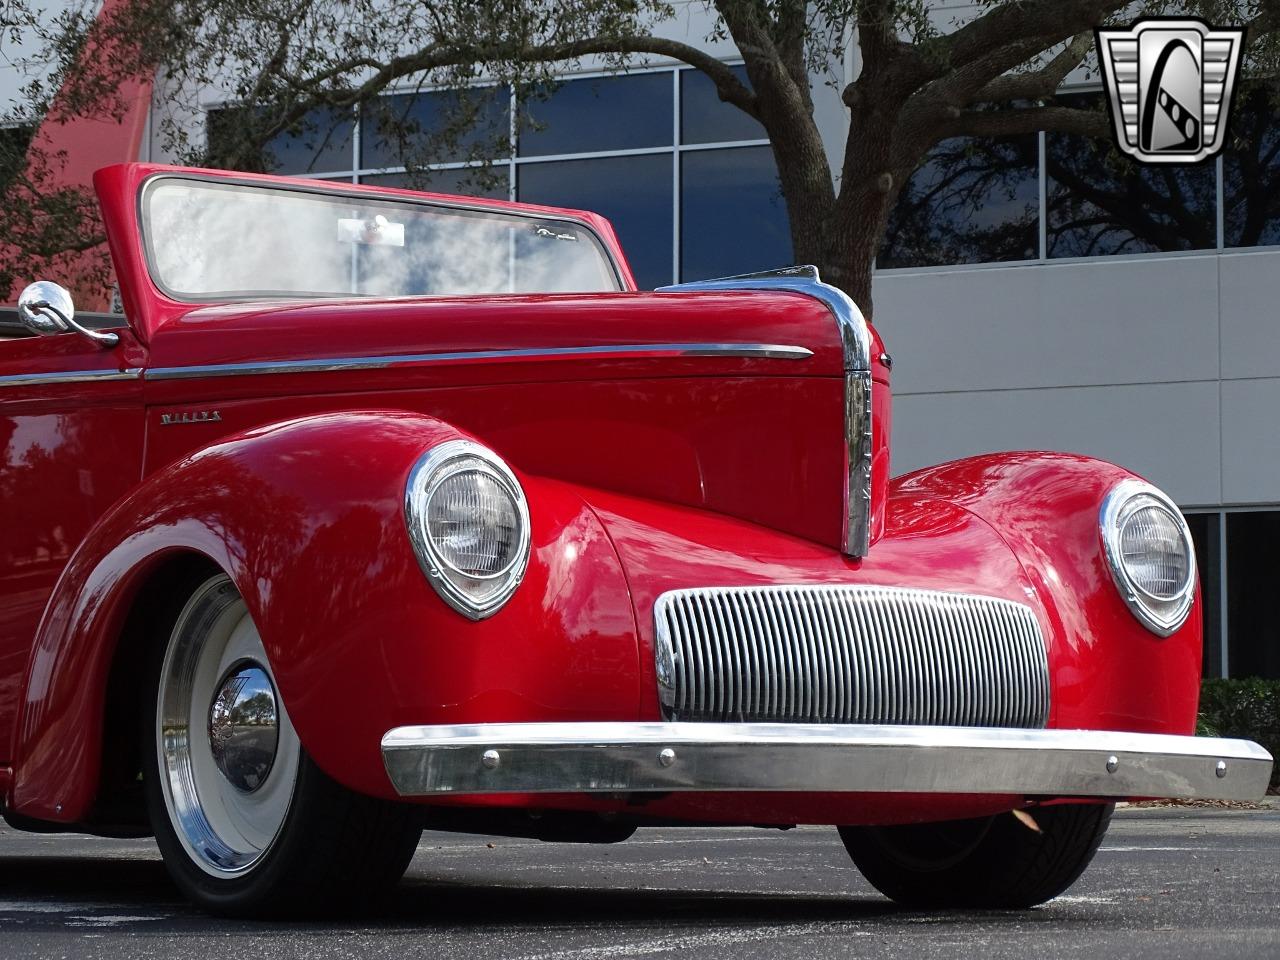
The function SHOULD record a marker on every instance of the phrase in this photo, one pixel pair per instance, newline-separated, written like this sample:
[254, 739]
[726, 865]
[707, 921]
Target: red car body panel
[1045, 507]
[69, 452]
[645, 472]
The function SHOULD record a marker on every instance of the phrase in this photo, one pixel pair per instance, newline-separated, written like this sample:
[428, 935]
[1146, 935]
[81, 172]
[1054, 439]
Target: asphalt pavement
[1167, 883]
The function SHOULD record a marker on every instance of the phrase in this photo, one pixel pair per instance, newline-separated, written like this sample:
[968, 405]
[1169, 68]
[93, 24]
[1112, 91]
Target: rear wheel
[988, 863]
[248, 825]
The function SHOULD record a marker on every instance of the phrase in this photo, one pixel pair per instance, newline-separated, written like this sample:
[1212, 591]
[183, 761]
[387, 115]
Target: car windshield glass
[207, 241]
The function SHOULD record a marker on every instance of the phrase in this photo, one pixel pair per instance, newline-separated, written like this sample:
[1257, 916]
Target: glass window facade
[1238, 566]
[1251, 169]
[690, 184]
[688, 181]
[1100, 202]
[705, 118]
[733, 214]
[438, 125]
[320, 143]
[973, 200]
[1254, 605]
[633, 192]
[460, 181]
[627, 112]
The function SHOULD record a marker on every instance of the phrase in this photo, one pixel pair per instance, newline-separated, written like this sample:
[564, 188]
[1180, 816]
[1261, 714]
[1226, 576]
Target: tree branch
[729, 87]
[782, 81]
[884, 55]
[384, 73]
[1006, 25]
[1267, 21]
[791, 31]
[1024, 120]
[1035, 84]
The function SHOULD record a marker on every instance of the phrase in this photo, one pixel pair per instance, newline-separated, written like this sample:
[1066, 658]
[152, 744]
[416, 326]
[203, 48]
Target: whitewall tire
[247, 823]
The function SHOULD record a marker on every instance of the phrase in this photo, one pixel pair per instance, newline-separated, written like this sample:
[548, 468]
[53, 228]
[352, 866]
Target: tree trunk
[850, 255]
[870, 184]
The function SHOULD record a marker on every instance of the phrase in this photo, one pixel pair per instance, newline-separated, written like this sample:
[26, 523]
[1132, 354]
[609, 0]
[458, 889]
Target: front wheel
[989, 863]
[247, 824]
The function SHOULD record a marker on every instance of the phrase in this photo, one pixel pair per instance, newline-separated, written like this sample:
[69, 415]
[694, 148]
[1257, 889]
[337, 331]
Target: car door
[71, 440]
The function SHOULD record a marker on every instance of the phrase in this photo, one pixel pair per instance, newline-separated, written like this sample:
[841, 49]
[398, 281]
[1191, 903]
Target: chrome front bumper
[812, 758]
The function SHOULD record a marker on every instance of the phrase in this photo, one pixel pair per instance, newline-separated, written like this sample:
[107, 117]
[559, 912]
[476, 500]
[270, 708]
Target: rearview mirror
[46, 308]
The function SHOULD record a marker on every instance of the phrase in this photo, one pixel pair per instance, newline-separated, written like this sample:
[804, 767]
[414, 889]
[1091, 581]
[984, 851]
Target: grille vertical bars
[850, 654]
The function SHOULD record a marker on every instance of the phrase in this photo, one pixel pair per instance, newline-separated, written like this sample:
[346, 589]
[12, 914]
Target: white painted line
[50, 906]
[695, 941]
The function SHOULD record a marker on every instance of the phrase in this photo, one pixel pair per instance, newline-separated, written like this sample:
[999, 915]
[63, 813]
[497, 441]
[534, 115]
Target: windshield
[211, 241]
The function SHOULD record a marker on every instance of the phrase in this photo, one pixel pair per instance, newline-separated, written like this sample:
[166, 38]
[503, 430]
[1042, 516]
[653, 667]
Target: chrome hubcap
[243, 728]
[229, 756]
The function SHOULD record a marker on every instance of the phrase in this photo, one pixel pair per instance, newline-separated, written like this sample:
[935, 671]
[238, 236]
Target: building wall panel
[1083, 323]
[1153, 429]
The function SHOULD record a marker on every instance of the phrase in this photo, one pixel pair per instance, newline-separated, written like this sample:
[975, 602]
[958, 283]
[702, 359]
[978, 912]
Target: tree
[920, 82]
[49, 223]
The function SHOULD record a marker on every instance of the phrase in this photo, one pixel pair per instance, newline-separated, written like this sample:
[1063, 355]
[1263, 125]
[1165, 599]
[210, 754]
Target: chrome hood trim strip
[766, 351]
[855, 337]
[804, 758]
[69, 376]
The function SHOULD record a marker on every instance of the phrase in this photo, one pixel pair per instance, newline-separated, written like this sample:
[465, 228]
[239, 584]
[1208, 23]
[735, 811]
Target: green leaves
[1247, 708]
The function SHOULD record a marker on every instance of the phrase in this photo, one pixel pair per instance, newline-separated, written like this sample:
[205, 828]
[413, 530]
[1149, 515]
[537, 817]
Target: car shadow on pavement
[90, 879]
[49, 891]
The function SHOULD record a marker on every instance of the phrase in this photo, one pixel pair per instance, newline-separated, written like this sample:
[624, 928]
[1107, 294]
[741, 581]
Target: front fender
[306, 517]
[1108, 671]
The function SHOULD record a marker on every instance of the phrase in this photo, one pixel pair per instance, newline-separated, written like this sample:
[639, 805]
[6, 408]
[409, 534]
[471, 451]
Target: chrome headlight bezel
[437, 465]
[1161, 615]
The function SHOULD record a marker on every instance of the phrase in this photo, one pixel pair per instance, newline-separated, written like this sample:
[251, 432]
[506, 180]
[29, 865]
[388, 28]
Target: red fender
[1108, 671]
[307, 518]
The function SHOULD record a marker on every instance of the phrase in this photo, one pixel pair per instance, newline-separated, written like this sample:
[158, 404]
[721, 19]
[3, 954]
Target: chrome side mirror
[46, 308]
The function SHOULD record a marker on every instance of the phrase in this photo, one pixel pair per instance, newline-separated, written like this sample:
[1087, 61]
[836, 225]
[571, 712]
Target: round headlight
[1149, 550]
[469, 525]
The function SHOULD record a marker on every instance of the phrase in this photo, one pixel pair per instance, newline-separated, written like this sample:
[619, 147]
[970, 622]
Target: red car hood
[336, 329]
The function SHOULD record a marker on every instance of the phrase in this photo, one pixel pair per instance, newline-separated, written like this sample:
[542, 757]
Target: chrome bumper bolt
[667, 757]
[1221, 769]
[490, 760]
[1113, 764]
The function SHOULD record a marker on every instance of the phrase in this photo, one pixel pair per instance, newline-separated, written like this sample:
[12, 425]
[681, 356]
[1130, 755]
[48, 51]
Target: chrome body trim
[768, 351]
[1161, 616]
[855, 337]
[69, 376]
[805, 758]
[849, 653]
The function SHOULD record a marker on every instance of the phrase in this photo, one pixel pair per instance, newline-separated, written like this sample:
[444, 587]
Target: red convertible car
[378, 510]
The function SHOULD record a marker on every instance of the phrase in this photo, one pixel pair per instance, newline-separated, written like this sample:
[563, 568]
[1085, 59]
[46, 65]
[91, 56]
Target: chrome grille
[850, 654]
